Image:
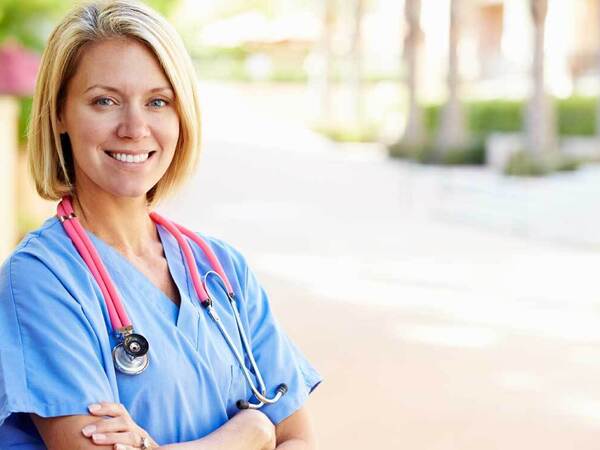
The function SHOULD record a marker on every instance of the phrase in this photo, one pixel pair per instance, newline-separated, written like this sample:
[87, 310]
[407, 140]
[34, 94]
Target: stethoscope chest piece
[131, 355]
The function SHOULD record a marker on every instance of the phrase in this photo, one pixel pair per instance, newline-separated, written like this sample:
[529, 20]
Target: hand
[118, 429]
[257, 420]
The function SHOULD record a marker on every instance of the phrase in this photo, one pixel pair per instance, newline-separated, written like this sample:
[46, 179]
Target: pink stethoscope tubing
[120, 322]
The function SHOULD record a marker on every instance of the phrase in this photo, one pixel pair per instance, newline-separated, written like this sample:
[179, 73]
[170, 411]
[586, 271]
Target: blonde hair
[50, 156]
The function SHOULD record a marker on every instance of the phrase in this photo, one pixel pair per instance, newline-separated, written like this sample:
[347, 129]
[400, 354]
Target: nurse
[115, 125]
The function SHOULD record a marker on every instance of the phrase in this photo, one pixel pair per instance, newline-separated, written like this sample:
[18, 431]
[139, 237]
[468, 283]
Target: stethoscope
[130, 355]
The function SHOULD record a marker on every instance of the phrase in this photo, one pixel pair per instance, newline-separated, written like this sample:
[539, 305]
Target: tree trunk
[540, 118]
[356, 65]
[452, 133]
[325, 56]
[413, 133]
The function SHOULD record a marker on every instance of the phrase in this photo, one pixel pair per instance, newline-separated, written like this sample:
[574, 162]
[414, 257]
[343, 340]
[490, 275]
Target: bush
[574, 115]
[402, 151]
[568, 164]
[483, 117]
[427, 153]
[472, 154]
[577, 116]
[368, 133]
[495, 115]
[526, 164]
[424, 153]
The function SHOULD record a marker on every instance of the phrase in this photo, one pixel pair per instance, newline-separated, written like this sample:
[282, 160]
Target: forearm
[296, 444]
[238, 433]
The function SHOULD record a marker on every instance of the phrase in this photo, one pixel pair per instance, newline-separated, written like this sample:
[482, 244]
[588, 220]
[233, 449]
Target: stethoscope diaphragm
[126, 361]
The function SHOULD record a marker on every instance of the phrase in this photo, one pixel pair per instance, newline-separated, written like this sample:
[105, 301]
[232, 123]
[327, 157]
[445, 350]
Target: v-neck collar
[185, 317]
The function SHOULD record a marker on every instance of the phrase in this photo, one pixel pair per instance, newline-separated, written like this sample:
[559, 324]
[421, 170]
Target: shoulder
[224, 250]
[42, 256]
[228, 255]
[231, 259]
[43, 244]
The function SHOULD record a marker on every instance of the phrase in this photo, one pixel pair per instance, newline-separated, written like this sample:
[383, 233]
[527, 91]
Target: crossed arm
[248, 430]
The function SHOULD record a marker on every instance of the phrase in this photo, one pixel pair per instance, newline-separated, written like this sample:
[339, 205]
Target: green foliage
[567, 164]
[24, 112]
[471, 154]
[26, 21]
[402, 151]
[526, 164]
[30, 21]
[235, 7]
[365, 134]
[165, 7]
[495, 115]
[575, 116]
[423, 153]
[431, 117]
[483, 117]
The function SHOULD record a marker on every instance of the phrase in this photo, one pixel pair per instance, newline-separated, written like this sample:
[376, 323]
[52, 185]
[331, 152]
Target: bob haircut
[50, 155]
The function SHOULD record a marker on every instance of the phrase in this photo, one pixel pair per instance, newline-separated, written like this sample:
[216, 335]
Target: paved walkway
[445, 309]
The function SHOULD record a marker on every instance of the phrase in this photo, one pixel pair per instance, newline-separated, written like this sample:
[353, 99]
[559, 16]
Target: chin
[133, 192]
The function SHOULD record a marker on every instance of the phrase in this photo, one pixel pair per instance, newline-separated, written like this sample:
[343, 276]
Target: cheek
[87, 133]
[168, 133]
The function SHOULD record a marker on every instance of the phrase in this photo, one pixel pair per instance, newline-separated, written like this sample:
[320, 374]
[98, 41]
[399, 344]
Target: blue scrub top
[55, 350]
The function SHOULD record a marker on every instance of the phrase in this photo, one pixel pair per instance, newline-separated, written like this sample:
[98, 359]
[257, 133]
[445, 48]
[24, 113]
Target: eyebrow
[113, 89]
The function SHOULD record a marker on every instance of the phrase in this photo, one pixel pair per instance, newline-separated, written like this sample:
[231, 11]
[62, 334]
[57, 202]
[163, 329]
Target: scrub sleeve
[277, 358]
[51, 362]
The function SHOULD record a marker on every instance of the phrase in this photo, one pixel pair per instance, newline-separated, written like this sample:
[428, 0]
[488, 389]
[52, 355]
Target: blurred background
[415, 183]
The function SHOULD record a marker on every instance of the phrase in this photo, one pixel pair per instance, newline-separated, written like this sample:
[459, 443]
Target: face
[121, 118]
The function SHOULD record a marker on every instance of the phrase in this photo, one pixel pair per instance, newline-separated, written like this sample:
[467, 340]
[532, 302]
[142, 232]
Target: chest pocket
[228, 372]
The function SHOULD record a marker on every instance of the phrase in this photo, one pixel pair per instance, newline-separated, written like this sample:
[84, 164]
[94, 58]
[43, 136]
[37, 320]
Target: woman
[114, 128]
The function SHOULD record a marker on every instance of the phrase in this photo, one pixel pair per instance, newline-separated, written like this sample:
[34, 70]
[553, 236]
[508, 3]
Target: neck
[122, 222]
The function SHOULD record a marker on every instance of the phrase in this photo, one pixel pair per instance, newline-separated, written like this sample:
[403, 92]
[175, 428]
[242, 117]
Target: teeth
[139, 158]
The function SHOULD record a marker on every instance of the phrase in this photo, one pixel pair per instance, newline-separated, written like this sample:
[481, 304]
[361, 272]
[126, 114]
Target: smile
[138, 158]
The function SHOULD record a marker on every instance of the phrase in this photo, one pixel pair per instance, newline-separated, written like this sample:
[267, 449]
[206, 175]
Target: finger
[107, 426]
[125, 438]
[107, 409]
[124, 447]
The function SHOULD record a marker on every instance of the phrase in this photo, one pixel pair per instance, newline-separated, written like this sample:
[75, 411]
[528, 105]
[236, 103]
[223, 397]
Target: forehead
[125, 64]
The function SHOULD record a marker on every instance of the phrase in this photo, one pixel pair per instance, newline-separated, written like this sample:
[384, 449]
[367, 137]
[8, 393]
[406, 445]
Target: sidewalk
[561, 208]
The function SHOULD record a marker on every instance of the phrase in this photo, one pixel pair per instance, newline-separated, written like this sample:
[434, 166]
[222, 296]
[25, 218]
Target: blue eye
[104, 101]
[158, 103]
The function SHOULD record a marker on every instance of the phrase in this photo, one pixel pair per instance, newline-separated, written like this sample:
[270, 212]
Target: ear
[61, 123]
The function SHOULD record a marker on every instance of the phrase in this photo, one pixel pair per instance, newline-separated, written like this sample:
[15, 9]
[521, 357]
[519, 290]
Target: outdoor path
[434, 329]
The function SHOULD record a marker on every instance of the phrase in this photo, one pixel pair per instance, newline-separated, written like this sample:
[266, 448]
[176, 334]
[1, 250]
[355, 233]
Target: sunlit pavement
[446, 309]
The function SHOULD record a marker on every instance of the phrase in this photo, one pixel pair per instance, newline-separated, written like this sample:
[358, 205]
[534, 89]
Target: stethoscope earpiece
[242, 404]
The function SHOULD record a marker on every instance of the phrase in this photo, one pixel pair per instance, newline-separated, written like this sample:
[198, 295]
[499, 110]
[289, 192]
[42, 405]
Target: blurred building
[497, 46]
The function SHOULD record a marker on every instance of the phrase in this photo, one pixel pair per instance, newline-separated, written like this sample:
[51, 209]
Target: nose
[133, 124]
